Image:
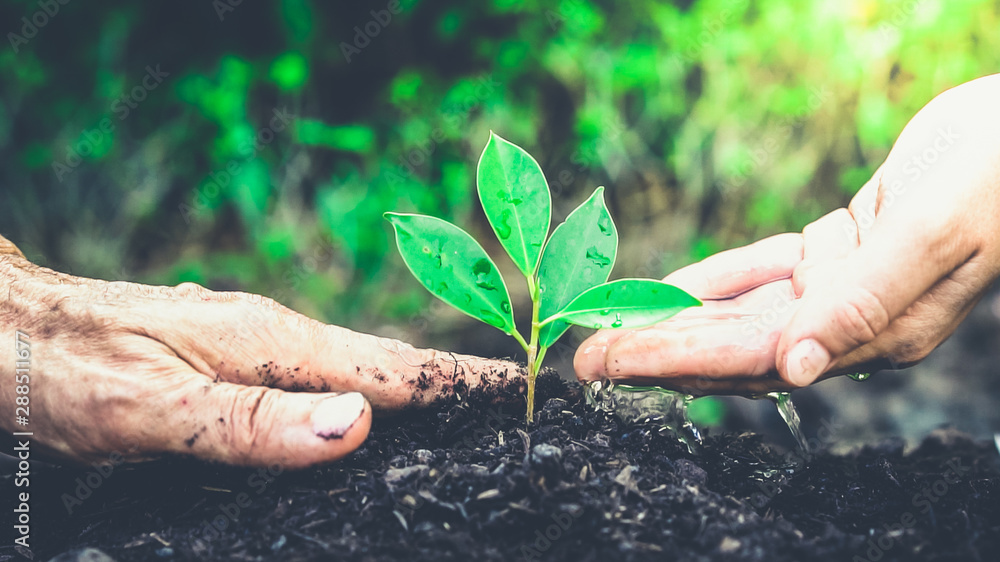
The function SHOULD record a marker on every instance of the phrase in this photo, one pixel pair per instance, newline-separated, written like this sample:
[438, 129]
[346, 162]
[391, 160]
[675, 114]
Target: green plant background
[712, 123]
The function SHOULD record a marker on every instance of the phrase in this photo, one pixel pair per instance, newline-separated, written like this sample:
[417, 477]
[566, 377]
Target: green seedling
[566, 272]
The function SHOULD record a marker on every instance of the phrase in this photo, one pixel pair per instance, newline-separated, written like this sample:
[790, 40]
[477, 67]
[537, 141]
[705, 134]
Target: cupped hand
[881, 283]
[140, 371]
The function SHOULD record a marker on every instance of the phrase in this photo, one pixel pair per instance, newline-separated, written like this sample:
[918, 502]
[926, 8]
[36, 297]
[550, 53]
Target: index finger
[736, 271]
[252, 340]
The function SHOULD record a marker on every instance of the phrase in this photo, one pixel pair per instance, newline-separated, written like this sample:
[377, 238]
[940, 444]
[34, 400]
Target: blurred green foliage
[265, 158]
[707, 411]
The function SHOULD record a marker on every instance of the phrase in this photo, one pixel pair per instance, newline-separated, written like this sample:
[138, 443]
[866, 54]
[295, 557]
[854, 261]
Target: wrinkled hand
[144, 371]
[881, 283]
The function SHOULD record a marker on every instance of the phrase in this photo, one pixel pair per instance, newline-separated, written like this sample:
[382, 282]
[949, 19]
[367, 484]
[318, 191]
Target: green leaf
[454, 267]
[516, 199]
[578, 256]
[625, 303]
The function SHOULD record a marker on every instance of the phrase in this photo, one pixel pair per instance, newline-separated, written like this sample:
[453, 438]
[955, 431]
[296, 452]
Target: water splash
[787, 411]
[656, 404]
[649, 404]
[653, 403]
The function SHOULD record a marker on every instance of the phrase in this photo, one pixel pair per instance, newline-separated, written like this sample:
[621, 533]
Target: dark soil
[466, 482]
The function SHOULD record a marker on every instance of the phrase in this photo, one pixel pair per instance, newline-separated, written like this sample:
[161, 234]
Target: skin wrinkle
[253, 433]
[114, 360]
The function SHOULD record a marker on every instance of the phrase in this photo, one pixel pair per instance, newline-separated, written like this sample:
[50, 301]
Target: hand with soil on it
[879, 284]
[144, 371]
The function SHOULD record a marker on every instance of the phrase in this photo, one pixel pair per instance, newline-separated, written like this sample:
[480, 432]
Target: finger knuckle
[861, 317]
[256, 300]
[810, 229]
[909, 353]
[189, 289]
[251, 411]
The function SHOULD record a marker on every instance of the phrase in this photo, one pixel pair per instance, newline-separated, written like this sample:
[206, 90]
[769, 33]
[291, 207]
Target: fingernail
[806, 361]
[334, 416]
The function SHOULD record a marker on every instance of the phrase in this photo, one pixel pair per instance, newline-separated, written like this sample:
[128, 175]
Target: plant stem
[533, 357]
[517, 336]
[541, 357]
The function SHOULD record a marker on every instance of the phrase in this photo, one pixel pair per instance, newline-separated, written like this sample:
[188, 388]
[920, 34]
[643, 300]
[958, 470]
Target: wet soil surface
[467, 482]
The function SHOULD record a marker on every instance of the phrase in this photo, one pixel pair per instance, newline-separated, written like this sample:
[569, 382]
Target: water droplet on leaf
[492, 318]
[505, 306]
[604, 223]
[482, 267]
[859, 377]
[502, 227]
[597, 258]
[618, 320]
[482, 270]
[438, 257]
[507, 197]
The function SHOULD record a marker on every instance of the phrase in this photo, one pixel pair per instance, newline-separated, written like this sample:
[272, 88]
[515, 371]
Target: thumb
[261, 426]
[854, 299]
